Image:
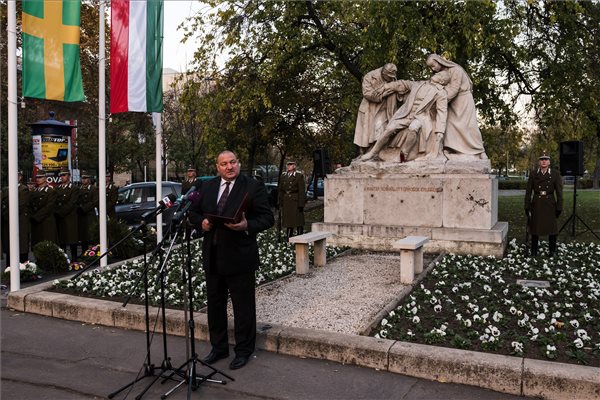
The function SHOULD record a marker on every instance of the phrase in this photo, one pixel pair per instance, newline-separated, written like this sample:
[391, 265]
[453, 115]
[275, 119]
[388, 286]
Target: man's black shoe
[215, 356]
[238, 362]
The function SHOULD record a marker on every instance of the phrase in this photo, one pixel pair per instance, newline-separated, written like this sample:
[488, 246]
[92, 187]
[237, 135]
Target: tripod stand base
[148, 372]
[192, 378]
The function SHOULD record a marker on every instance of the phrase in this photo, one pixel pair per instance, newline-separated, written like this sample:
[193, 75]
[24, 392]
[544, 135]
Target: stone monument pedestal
[454, 203]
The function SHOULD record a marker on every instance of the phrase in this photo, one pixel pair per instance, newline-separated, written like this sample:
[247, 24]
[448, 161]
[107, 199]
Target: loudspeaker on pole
[571, 158]
[321, 162]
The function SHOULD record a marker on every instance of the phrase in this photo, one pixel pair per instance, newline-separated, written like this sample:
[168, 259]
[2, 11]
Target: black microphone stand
[165, 366]
[193, 379]
[148, 366]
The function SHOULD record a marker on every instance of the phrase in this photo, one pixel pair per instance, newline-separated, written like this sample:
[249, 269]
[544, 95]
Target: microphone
[186, 196]
[166, 202]
[192, 198]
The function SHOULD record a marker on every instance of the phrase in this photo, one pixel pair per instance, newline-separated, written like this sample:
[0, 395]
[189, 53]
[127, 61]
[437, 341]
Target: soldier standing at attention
[67, 196]
[86, 210]
[24, 196]
[545, 184]
[112, 195]
[41, 211]
[189, 181]
[292, 196]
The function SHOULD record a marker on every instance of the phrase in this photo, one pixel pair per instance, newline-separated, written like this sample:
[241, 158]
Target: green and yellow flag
[51, 66]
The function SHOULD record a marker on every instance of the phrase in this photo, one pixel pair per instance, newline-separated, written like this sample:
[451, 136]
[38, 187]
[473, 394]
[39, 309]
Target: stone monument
[426, 174]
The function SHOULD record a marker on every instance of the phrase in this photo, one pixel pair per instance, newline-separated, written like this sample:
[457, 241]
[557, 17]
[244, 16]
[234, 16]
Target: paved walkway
[48, 358]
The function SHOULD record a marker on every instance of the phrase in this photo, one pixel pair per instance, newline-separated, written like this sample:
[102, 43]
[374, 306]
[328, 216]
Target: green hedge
[522, 185]
[512, 185]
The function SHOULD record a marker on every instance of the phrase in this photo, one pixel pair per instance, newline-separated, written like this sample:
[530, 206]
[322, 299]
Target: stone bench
[302, 242]
[411, 256]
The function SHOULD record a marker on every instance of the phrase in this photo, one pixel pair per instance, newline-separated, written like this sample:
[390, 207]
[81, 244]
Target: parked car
[137, 198]
[320, 188]
[272, 192]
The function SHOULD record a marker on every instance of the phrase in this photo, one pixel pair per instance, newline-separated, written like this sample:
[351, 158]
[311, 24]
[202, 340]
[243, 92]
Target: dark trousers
[535, 244]
[241, 289]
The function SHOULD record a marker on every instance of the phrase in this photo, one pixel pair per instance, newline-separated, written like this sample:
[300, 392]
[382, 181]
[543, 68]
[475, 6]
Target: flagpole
[13, 149]
[102, 135]
[158, 155]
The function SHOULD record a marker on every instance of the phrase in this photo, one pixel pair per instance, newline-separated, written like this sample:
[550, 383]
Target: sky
[177, 55]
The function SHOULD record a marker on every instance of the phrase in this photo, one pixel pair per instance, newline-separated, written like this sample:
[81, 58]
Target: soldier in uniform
[86, 210]
[112, 195]
[41, 215]
[24, 196]
[292, 197]
[67, 196]
[543, 209]
[189, 181]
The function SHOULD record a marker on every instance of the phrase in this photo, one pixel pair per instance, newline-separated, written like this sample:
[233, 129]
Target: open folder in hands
[227, 219]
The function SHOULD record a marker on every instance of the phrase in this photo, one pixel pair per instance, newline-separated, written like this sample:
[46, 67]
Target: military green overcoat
[544, 197]
[67, 196]
[292, 197]
[43, 223]
[86, 210]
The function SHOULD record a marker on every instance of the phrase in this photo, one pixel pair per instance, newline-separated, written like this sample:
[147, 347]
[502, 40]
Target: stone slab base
[447, 240]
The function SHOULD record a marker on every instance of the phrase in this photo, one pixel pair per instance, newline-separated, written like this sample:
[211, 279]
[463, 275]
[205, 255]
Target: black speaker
[321, 162]
[571, 158]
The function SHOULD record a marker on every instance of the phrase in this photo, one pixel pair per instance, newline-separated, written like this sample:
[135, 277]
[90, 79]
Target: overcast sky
[175, 54]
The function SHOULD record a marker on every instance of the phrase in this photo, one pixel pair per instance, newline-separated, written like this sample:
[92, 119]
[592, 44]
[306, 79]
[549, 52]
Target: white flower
[578, 343]
[437, 308]
[416, 320]
[550, 348]
[581, 333]
[517, 346]
[467, 323]
[541, 316]
[587, 316]
[513, 310]
[384, 322]
[458, 317]
[497, 316]
[574, 323]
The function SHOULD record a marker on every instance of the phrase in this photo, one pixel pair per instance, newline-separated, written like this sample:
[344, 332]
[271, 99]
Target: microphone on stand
[166, 202]
[190, 198]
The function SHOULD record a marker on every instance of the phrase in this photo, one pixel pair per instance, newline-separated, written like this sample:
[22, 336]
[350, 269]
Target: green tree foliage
[293, 78]
[560, 72]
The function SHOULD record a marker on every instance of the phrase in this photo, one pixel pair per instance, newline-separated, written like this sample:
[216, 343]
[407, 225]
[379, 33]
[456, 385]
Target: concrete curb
[520, 376]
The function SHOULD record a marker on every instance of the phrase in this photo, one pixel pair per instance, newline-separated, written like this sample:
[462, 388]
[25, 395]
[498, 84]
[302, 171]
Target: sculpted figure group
[437, 116]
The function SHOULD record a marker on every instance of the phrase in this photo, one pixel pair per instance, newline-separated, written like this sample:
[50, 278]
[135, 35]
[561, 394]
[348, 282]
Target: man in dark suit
[230, 255]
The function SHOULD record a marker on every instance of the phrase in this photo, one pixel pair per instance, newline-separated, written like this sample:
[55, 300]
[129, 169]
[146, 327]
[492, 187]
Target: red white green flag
[51, 66]
[136, 57]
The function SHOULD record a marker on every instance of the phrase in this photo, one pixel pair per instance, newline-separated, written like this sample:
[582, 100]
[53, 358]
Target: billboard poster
[37, 153]
[55, 152]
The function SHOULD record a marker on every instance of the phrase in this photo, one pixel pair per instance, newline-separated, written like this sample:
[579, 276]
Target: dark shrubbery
[50, 258]
[117, 230]
[512, 185]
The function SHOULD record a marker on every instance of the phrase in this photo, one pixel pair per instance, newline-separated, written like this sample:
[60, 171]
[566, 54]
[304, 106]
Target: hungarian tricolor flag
[51, 67]
[136, 55]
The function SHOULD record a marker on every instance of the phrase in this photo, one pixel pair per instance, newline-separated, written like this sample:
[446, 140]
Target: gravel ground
[344, 296]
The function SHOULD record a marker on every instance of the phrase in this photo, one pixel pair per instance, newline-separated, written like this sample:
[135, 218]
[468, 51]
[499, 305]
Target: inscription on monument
[402, 189]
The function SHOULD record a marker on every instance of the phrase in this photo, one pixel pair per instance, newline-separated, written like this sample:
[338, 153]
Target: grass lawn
[510, 209]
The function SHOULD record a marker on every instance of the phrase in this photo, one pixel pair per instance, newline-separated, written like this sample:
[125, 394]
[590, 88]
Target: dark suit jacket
[237, 251]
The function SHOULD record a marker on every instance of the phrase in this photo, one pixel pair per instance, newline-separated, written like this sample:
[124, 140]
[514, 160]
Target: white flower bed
[277, 260]
[475, 303]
